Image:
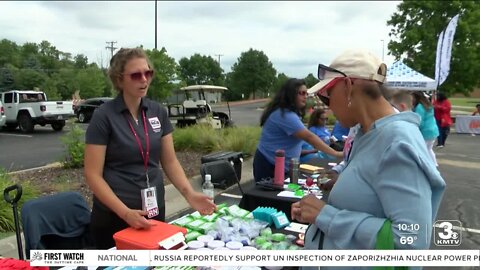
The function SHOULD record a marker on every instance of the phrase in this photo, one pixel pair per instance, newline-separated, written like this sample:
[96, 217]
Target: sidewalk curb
[51, 165]
[240, 102]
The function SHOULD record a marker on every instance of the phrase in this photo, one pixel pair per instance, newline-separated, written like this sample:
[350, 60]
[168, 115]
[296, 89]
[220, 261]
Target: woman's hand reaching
[202, 203]
[307, 209]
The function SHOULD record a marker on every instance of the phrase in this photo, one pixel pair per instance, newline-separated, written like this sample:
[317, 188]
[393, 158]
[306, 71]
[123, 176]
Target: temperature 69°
[407, 240]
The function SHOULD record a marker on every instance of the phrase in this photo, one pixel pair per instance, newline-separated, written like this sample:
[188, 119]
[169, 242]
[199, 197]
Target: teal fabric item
[428, 125]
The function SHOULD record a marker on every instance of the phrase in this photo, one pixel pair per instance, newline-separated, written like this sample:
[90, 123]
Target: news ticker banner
[255, 257]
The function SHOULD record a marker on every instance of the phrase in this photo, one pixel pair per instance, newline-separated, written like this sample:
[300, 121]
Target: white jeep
[26, 108]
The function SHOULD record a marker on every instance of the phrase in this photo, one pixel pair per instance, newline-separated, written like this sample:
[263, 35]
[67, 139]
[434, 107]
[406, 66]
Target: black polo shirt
[124, 169]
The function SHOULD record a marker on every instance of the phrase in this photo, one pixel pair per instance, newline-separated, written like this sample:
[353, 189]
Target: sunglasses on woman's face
[138, 76]
[322, 71]
[324, 95]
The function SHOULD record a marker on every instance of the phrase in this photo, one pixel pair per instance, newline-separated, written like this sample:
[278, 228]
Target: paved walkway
[175, 204]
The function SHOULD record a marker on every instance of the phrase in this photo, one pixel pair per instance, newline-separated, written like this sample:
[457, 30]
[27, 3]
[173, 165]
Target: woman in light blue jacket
[389, 176]
[428, 127]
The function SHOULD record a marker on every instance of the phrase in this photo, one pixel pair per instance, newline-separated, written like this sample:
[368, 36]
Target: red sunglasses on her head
[137, 76]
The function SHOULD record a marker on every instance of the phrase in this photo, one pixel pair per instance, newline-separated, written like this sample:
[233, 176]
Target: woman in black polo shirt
[126, 139]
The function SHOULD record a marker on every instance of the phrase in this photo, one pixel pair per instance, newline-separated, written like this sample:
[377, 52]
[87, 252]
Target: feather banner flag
[444, 51]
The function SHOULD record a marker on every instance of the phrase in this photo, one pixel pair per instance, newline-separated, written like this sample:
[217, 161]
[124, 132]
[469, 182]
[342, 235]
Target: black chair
[59, 221]
[222, 172]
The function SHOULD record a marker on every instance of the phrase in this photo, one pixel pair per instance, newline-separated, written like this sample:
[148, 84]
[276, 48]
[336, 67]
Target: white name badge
[155, 123]
[149, 201]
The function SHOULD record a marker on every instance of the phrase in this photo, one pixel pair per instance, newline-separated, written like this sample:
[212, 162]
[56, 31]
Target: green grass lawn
[466, 102]
[6, 234]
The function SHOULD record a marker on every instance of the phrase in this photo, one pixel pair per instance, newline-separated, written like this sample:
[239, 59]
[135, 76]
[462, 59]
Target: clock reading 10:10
[408, 227]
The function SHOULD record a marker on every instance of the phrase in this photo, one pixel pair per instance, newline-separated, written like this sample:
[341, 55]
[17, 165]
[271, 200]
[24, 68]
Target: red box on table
[160, 235]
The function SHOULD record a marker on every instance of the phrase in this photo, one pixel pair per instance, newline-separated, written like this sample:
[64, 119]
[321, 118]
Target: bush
[75, 147]
[7, 224]
[241, 139]
[202, 138]
[205, 139]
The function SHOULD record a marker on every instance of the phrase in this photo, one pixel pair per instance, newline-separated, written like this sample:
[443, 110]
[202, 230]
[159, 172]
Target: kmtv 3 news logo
[447, 233]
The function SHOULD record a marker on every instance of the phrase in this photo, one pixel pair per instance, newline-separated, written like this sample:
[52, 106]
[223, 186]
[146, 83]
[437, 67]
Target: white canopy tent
[402, 77]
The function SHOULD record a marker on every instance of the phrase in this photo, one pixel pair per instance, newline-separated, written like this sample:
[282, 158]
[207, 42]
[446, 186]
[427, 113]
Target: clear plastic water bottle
[207, 186]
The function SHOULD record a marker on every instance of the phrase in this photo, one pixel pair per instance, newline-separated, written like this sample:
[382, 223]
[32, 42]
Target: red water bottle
[279, 176]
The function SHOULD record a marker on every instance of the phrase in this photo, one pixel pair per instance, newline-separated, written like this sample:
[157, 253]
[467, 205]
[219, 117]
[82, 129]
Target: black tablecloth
[254, 196]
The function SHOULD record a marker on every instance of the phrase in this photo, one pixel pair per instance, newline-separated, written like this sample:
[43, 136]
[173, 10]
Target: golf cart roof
[211, 88]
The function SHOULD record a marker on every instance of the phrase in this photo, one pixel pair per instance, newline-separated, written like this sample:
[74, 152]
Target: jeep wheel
[82, 118]
[58, 126]
[25, 123]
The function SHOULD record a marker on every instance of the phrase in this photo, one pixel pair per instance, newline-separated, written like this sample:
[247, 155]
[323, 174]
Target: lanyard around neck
[145, 154]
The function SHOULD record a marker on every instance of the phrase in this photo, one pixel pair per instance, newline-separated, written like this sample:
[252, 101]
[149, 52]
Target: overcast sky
[296, 36]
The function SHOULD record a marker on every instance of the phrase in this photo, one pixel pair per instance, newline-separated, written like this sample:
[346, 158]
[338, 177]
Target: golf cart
[190, 105]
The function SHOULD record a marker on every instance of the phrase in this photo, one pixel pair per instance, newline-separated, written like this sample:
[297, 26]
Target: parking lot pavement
[459, 164]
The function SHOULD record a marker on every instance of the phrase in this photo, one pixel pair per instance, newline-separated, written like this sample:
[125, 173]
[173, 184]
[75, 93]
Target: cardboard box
[306, 168]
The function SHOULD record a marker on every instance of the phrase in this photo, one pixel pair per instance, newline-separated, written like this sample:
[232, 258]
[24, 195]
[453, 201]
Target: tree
[165, 74]
[7, 77]
[65, 82]
[29, 79]
[9, 53]
[49, 57]
[417, 25]
[252, 73]
[90, 82]
[310, 80]
[280, 80]
[81, 61]
[54, 72]
[200, 69]
[50, 89]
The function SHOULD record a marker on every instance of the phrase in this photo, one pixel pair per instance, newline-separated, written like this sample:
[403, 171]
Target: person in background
[441, 109]
[477, 111]
[339, 135]
[388, 163]
[401, 100]
[316, 124]
[283, 129]
[428, 127]
[333, 173]
[126, 141]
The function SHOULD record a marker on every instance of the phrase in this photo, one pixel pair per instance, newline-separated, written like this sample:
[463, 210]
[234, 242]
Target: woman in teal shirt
[428, 127]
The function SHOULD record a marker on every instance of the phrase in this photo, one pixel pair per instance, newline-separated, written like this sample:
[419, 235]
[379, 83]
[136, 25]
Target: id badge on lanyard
[149, 194]
[149, 201]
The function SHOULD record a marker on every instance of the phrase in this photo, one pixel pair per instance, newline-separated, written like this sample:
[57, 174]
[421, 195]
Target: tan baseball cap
[354, 64]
